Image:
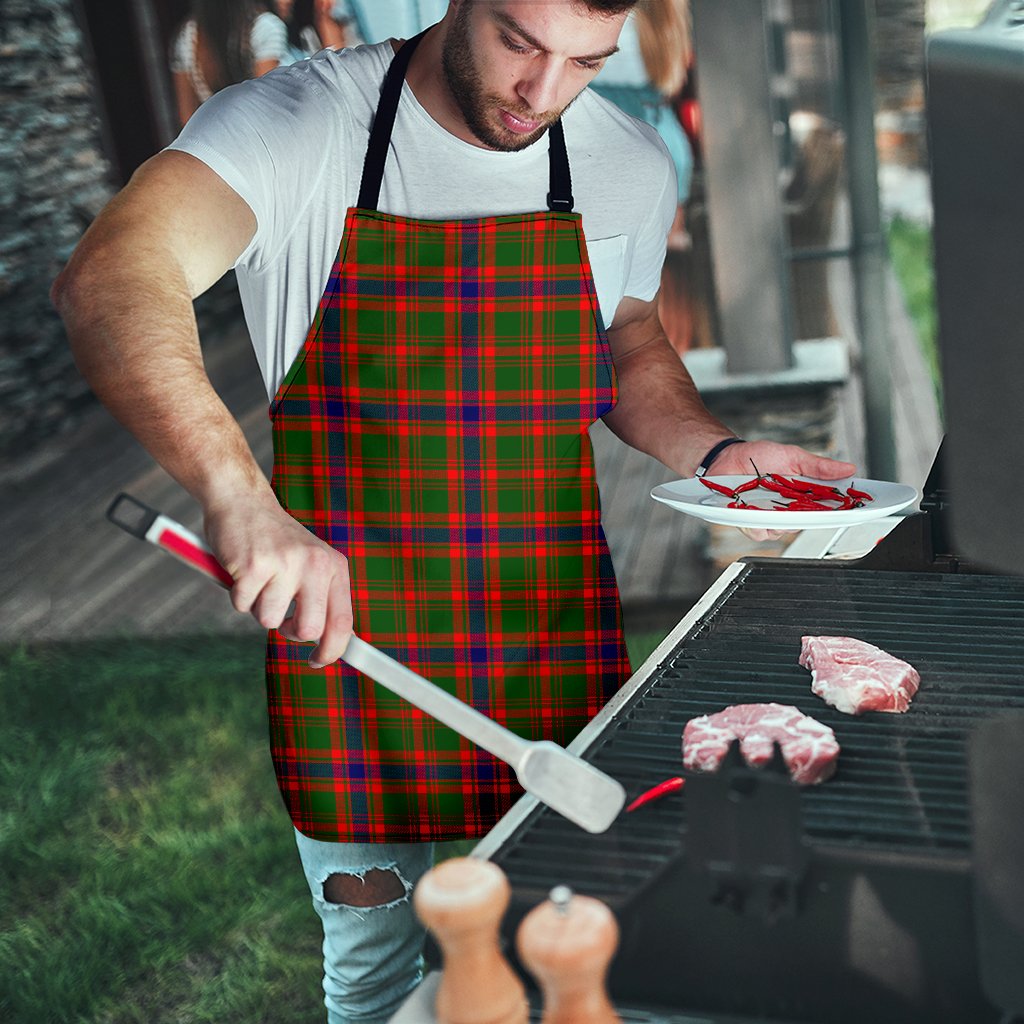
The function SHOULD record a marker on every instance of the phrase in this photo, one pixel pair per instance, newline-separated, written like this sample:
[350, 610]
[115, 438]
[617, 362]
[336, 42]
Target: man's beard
[464, 83]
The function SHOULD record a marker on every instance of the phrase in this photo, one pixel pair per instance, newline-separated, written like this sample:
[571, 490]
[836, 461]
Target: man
[430, 427]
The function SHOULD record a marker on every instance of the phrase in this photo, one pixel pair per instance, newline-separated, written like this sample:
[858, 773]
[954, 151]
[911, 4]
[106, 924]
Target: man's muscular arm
[126, 300]
[660, 412]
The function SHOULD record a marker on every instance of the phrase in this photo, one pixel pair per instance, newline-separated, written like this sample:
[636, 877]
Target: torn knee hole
[373, 889]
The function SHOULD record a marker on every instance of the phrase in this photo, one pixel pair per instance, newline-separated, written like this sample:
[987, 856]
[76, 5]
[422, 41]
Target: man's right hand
[275, 561]
[126, 299]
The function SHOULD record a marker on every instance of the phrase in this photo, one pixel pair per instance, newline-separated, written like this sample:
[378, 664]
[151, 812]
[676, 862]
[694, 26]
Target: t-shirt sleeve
[269, 38]
[268, 139]
[644, 278]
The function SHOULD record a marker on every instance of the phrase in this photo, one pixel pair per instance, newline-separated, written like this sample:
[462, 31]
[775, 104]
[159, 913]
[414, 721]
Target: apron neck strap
[560, 195]
[559, 198]
[383, 122]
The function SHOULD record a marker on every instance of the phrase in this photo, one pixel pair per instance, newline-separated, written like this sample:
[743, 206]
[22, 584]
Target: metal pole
[154, 63]
[868, 241]
[741, 163]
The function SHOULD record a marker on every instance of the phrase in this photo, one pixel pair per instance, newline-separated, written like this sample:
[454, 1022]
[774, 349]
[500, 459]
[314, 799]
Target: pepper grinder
[567, 943]
[462, 901]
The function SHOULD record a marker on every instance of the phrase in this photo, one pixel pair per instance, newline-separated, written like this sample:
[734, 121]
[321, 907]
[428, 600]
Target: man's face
[513, 66]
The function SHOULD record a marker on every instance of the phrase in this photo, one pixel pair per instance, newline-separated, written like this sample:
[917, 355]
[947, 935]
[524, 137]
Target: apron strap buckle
[560, 205]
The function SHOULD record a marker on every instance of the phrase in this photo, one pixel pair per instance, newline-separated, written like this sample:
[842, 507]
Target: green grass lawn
[910, 249]
[149, 873]
[147, 867]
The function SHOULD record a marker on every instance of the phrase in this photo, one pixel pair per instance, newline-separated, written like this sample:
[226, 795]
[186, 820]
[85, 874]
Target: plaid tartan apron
[434, 429]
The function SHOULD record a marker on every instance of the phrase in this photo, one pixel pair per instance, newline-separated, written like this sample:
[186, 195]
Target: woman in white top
[224, 42]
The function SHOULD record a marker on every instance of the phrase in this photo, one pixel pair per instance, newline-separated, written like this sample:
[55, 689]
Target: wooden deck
[69, 574]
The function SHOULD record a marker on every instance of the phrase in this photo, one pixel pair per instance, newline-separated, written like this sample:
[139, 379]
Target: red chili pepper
[749, 485]
[862, 495]
[807, 505]
[809, 487]
[656, 792]
[717, 487]
[786, 492]
[770, 484]
[793, 485]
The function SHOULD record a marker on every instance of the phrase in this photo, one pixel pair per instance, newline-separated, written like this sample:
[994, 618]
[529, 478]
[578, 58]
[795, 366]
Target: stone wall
[54, 178]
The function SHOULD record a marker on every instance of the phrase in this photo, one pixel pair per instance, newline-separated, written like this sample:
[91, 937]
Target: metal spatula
[564, 782]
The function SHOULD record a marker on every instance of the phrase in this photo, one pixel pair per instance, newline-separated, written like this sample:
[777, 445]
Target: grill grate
[901, 786]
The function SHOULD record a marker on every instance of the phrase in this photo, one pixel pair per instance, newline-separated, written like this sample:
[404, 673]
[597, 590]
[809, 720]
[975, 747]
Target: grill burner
[874, 892]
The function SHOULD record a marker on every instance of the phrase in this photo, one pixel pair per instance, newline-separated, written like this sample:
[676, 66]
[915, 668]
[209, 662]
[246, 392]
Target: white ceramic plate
[693, 498]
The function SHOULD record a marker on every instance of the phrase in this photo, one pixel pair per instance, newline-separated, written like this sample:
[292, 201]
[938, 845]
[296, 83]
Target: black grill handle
[132, 515]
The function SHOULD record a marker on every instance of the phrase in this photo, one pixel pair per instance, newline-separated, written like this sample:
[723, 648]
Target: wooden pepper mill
[462, 901]
[567, 943]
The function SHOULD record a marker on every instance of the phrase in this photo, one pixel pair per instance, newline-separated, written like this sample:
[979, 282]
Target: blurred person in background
[314, 25]
[221, 43]
[647, 75]
[646, 79]
[373, 21]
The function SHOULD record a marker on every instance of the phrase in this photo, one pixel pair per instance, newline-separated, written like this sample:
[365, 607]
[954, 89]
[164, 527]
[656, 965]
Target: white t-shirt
[292, 144]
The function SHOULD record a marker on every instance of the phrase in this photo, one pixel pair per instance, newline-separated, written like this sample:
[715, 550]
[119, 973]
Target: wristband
[705, 463]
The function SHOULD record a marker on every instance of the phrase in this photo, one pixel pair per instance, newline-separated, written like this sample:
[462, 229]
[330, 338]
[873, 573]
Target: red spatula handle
[563, 781]
[147, 524]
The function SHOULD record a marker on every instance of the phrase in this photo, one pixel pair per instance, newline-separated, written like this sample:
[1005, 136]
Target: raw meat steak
[809, 748]
[855, 677]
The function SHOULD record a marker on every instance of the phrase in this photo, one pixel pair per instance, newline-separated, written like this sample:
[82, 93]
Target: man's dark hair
[609, 6]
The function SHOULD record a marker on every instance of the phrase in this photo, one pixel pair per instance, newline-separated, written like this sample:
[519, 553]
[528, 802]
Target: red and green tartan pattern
[434, 430]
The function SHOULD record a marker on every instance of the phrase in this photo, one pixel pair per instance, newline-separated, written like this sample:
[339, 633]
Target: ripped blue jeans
[372, 953]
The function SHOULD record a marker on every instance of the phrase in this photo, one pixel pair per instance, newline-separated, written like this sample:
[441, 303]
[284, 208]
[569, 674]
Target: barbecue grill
[747, 897]
[894, 892]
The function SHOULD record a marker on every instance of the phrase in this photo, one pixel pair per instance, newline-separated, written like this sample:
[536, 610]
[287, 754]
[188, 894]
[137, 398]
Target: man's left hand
[772, 457]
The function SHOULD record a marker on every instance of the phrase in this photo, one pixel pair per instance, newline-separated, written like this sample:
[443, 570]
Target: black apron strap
[383, 122]
[559, 197]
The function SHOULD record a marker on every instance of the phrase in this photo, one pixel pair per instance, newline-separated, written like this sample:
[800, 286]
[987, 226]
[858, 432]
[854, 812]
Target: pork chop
[854, 676]
[809, 748]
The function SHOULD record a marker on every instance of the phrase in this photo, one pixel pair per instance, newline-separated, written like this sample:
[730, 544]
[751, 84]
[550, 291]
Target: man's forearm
[126, 298]
[659, 410]
[143, 361]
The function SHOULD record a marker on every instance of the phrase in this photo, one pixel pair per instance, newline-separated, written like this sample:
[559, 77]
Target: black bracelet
[705, 463]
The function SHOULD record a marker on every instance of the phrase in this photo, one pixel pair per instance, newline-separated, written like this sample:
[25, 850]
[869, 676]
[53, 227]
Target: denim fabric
[372, 955]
